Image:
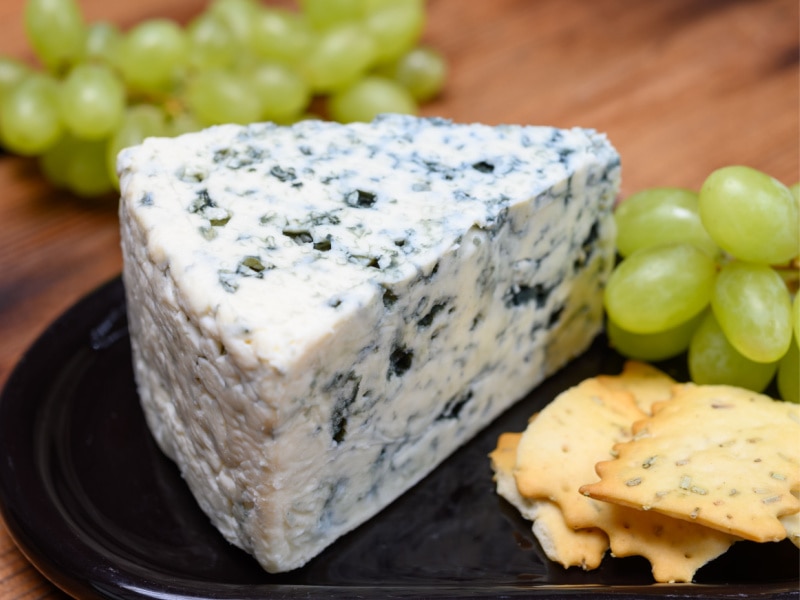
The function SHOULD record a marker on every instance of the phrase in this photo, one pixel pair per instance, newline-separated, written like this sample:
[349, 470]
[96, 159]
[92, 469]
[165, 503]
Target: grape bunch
[99, 89]
[712, 274]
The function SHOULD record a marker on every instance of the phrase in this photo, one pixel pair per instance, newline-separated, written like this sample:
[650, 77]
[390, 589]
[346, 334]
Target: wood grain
[680, 86]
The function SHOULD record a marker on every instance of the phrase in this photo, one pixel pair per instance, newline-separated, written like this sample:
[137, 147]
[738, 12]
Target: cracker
[791, 523]
[647, 383]
[583, 548]
[558, 451]
[719, 456]
[676, 549]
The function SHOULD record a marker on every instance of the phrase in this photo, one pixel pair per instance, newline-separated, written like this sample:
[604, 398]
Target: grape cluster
[712, 274]
[100, 89]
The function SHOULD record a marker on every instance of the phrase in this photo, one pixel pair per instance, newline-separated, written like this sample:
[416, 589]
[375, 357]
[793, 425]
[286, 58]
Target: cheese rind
[320, 314]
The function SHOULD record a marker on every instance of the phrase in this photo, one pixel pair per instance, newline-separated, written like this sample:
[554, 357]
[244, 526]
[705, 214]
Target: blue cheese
[320, 314]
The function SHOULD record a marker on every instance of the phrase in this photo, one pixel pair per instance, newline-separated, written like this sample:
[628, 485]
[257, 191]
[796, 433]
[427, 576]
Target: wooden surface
[680, 86]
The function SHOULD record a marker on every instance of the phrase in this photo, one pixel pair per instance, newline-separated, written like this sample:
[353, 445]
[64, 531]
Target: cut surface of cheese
[321, 313]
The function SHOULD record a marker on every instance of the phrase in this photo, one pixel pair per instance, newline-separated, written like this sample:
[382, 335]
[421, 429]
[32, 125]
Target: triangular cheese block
[321, 313]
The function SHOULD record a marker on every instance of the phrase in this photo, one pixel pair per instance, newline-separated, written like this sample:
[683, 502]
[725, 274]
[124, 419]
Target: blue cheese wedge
[320, 314]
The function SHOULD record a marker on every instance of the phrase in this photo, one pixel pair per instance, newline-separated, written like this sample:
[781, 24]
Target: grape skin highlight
[92, 101]
[152, 53]
[30, 116]
[422, 71]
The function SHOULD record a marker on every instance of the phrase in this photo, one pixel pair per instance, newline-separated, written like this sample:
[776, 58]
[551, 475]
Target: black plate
[101, 512]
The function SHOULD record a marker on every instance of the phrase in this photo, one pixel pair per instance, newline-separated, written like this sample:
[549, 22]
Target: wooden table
[680, 86]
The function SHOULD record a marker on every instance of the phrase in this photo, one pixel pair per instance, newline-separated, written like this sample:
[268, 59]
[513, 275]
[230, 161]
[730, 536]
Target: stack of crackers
[684, 471]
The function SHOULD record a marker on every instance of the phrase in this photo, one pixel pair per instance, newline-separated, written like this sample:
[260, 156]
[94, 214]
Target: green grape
[282, 92]
[56, 30]
[280, 35]
[796, 316]
[369, 97]
[653, 346]
[395, 29]
[92, 101]
[661, 216]
[30, 116]
[655, 289]
[713, 360]
[102, 43]
[87, 175]
[12, 71]
[140, 121]
[795, 189]
[149, 119]
[216, 97]
[54, 162]
[328, 13]
[789, 374]
[184, 122]
[422, 71]
[211, 43]
[753, 308]
[750, 215]
[239, 16]
[152, 54]
[78, 165]
[338, 57]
